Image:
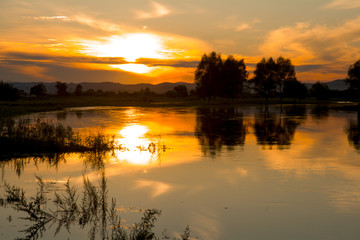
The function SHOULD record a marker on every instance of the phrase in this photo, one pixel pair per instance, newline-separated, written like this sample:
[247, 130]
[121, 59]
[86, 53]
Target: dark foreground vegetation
[90, 210]
[24, 137]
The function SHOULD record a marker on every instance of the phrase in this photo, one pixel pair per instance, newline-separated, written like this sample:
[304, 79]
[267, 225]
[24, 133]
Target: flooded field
[283, 172]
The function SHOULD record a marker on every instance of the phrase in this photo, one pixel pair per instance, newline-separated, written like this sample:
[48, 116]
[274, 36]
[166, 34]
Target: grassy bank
[52, 103]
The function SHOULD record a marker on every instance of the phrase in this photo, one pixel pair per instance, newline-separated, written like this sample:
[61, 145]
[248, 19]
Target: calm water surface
[229, 173]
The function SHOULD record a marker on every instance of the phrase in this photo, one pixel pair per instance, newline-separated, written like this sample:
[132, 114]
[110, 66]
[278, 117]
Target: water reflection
[19, 164]
[320, 112]
[218, 127]
[276, 128]
[318, 175]
[353, 132]
[61, 115]
[79, 114]
[89, 210]
[135, 147]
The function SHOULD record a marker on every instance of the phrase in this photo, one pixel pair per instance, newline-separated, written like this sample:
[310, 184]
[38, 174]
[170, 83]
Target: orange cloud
[319, 44]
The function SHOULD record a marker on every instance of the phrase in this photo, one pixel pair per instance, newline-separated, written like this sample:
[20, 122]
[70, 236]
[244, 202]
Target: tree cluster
[278, 76]
[215, 77]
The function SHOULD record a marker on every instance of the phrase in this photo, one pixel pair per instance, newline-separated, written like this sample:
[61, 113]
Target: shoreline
[55, 103]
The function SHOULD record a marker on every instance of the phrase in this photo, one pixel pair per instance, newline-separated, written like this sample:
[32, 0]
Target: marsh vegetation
[91, 210]
[26, 137]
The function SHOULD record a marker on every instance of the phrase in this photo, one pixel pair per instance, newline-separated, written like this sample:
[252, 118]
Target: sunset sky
[143, 41]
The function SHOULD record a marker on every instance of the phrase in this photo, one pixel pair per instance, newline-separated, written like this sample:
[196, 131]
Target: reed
[89, 209]
[26, 138]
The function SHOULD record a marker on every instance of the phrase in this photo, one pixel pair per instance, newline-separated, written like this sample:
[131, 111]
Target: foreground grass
[89, 210]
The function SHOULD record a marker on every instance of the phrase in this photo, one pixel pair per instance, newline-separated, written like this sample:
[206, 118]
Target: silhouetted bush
[320, 91]
[38, 90]
[8, 92]
[61, 89]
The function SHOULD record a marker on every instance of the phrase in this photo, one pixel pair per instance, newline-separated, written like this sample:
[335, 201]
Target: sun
[135, 68]
[129, 46]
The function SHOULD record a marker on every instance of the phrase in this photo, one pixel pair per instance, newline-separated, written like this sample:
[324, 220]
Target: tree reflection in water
[278, 128]
[217, 127]
[353, 132]
[320, 112]
[91, 210]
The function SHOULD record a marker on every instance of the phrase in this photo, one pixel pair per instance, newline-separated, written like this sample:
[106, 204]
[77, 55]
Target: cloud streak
[168, 63]
[62, 18]
[343, 4]
[157, 11]
[26, 58]
[232, 23]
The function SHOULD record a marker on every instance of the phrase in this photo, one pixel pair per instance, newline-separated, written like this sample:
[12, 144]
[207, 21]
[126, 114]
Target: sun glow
[130, 47]
[135, 68]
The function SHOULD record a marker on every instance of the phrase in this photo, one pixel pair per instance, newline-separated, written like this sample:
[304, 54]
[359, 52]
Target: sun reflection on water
[135, 147]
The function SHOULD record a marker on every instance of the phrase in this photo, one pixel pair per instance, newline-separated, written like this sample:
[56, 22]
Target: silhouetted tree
[61, 89]
[320, 91]
[295, 89]
[8, 92]
[38, 90]
[217, 78]
[265, 79]
[285, 72]
[181, 91]
[207, 75]
[78, 90]
[90, 92]
[233, 75]
[353, 79]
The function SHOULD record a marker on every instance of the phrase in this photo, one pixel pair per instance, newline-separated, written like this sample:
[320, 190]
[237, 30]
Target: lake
[250, 172]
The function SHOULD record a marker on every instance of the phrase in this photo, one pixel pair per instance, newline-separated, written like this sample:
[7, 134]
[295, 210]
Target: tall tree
[353, 79]
[207, 75]
[181, 91]
[265, 78]
[233, 75]
[61, 89]
[38, 90]
[285, 71]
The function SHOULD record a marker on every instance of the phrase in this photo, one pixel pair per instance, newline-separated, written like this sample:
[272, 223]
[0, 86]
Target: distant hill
[333, 85]
[157, 88]
[106, 86]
